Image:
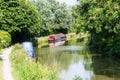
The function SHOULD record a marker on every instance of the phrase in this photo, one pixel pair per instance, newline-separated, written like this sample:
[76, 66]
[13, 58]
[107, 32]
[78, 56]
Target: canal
[72, 61]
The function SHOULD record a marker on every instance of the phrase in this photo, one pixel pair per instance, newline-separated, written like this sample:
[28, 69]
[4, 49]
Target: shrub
[25, 69]
[5, 39]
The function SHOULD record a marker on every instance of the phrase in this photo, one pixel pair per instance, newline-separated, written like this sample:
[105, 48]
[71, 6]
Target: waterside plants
[26, 69]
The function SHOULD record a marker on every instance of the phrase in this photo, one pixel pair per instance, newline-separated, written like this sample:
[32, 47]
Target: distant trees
[55, 16]
[20, 19]
[23, 20]
[102, 19]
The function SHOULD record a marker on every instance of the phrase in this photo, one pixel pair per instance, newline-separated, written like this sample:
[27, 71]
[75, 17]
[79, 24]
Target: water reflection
[60, 57]
[69, 60]
[76, 69]
[73, 60]
[106, 67]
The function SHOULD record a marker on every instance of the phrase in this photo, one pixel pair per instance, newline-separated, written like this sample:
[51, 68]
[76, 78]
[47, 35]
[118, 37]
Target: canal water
[73, 62]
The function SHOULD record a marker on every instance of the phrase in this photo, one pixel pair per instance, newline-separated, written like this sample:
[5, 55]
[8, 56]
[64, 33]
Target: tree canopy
[19, 18]
[55, 16]
[102, 19]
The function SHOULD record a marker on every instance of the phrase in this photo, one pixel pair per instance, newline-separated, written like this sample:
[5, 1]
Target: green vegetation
[102, 19]
[0, 59]
[1, 74]
[25, 69]
[56, 17]
[77, 78]
[5, 39]
[20, 19]
[43, 41]
[24, 21]
[70, 36]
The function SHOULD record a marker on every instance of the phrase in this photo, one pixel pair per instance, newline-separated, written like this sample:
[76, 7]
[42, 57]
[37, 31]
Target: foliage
[77, 78]
[102, 19]
[55, 16]
[19, 18]
[5, 39]
[76, 24]
[25, 69]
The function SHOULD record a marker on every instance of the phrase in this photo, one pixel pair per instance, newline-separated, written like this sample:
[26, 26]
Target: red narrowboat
[57, 39]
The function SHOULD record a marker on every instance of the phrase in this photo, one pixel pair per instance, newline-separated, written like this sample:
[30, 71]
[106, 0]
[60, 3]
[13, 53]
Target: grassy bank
[1, 72]
[43, 41]
[25, 69]
[1, 51]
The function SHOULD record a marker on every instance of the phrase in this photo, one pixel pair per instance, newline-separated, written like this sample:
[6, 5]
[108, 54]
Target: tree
[55, 16]
[20, 19]
[102, 19]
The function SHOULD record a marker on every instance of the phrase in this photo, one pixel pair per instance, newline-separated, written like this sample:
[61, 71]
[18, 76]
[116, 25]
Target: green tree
[76, 26]
[102, 19]
[55, 16]
[20, 19]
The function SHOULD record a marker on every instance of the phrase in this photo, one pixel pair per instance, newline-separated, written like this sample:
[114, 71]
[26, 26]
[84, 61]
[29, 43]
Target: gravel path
[6, 64]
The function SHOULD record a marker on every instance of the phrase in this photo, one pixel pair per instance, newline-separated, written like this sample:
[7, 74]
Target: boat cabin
[57, 39]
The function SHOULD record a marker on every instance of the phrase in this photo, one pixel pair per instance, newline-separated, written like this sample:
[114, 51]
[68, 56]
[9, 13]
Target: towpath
[7, 73]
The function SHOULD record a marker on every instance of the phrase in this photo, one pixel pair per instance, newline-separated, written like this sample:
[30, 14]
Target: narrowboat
[57, 39]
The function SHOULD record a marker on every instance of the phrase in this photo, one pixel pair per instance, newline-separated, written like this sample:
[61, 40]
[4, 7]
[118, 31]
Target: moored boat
[57, 39]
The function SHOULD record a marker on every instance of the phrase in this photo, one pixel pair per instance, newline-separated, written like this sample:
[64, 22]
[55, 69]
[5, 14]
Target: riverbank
[26, 69]
[23, 59]
[1, 64]
[30, 70]
[1, 74]
[43, 41]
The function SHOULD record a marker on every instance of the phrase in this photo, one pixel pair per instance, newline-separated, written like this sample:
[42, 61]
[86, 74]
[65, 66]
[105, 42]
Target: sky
[68, 2]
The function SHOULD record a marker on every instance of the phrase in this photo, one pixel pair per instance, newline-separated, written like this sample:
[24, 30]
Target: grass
[1, 51]
[26, 69]
[70, 36]
[1, 72]
[43, 41]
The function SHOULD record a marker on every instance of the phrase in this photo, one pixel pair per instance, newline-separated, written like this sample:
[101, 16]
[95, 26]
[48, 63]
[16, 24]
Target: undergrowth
[25, 69]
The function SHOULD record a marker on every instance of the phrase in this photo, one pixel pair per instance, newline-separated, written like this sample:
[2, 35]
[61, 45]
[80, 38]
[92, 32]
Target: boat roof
[60, 34]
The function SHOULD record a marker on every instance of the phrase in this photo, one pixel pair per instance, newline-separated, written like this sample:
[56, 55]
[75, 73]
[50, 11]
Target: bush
[5, 39]
[25, 69]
